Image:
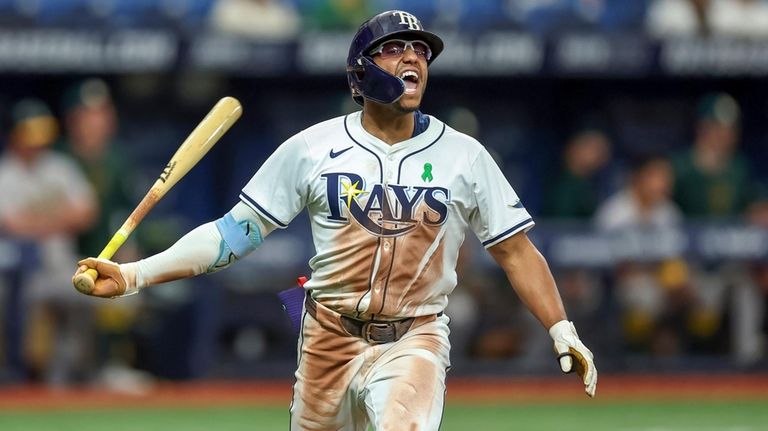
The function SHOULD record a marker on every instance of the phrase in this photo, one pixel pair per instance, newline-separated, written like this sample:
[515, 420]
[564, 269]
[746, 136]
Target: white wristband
[131, 276]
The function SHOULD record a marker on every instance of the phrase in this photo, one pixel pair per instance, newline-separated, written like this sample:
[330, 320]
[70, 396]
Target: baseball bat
[203, 137]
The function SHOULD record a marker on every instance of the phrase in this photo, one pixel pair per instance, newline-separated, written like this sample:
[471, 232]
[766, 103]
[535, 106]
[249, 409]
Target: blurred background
[635, 131]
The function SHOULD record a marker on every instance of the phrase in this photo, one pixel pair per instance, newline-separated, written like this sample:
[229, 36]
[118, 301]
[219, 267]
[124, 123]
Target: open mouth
[411, 80]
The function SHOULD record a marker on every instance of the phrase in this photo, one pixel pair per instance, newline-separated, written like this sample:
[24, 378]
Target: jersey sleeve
[498, 213]
[279, 189]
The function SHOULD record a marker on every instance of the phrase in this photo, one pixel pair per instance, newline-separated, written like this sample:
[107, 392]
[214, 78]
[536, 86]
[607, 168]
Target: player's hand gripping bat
[206, 134]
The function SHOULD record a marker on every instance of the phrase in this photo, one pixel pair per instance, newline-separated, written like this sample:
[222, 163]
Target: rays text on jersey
[384, 210]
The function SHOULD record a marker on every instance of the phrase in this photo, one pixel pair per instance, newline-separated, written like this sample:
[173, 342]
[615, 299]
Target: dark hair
[642, 161]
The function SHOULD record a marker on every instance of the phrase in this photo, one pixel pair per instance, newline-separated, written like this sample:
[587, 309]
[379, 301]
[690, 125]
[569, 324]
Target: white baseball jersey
[387, 220]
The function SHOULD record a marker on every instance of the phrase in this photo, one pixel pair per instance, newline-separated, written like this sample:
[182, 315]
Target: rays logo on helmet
[408, 19]
[386, 210]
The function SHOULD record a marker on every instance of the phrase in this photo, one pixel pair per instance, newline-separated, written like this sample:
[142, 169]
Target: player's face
[406, 60]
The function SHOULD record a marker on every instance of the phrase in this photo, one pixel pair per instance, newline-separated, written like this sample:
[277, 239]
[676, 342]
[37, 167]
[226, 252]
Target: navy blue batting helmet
[366, 79]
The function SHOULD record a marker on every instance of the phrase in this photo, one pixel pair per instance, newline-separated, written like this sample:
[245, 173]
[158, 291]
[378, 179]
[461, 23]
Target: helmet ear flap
[377, 84]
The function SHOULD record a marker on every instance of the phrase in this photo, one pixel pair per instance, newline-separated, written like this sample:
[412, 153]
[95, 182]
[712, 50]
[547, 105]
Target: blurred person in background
[739, 18]
[654, 295]
[271, 20]
[704, 18]
[714, 182]
[575, 192]
[713, 179]
[645, 202]
[679, 18]
[45, 198]
[91, 126]
[336, 14]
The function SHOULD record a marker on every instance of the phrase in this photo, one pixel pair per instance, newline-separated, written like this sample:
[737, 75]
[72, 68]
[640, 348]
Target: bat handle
[85, 282]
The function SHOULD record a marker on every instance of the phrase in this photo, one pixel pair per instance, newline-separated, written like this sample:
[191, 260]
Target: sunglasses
[396, 48]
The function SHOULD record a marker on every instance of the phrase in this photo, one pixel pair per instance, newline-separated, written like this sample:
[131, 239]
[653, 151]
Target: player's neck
[387, 124]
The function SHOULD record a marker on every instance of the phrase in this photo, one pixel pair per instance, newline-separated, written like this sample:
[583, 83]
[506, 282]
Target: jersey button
[386, 245]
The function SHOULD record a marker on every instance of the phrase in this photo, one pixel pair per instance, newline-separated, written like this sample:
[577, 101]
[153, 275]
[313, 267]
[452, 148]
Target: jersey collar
[426, 130]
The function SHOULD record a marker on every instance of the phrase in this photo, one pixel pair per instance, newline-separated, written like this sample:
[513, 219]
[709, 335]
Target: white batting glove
[569, 347]
[114, 279]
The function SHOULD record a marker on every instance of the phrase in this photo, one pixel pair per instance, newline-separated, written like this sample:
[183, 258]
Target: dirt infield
[495, 390]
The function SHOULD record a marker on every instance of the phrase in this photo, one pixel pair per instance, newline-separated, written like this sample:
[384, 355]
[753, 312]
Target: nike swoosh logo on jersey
[517, 204]
[337, 154]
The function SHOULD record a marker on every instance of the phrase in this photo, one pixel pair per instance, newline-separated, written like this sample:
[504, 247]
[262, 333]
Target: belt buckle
[366, 332]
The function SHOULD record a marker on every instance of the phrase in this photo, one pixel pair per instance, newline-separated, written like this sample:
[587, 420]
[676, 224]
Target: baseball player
[390, 192]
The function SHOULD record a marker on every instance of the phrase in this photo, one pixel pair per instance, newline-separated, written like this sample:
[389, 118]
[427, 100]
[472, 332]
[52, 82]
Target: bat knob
[85, 282]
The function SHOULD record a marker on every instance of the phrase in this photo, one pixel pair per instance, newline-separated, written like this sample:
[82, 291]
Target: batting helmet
[366, 79]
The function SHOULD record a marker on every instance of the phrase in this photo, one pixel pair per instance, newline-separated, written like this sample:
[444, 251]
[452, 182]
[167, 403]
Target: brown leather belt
[372, 331]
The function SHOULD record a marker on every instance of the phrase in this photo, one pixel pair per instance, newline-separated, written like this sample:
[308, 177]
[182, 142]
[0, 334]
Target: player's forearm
[191, 255]
[529, 274]
[208, 248]
[537, 289]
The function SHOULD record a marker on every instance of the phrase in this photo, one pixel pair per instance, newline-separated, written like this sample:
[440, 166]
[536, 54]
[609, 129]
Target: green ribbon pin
[427, 175]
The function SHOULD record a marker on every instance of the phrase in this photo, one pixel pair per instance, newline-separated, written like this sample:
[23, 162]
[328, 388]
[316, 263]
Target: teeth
[408, 73]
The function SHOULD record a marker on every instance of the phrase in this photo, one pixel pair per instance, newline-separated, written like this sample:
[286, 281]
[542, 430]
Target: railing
[486, 54]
